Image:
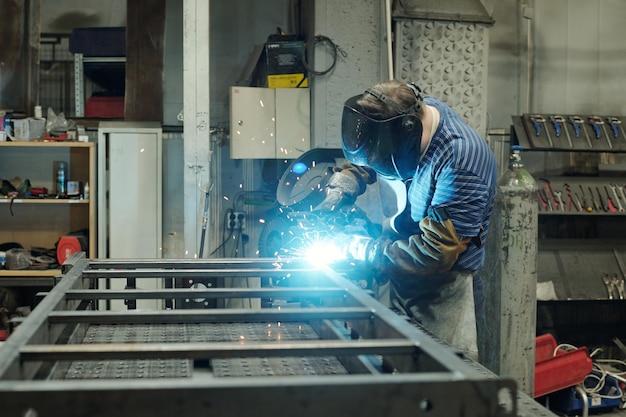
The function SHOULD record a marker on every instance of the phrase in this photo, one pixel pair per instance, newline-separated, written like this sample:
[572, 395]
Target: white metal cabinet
[130, 195]
[269, 122]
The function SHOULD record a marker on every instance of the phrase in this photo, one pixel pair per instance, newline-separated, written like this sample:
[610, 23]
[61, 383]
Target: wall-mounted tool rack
[554, 132]
[581, 196]
[338, 353]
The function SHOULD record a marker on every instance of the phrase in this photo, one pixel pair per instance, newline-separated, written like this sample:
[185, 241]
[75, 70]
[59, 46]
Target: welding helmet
[391, 147]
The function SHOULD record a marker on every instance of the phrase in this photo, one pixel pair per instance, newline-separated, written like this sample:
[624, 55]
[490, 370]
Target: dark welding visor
[391, 147]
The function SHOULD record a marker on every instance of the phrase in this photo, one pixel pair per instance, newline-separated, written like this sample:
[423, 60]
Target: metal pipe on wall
[388, 23]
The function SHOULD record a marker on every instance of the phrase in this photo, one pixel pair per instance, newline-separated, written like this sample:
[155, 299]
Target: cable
[326, 41]
[595, 382]
[224, 238]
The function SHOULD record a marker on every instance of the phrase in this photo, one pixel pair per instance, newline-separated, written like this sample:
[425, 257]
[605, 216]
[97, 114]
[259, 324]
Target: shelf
[28, 277]
[570, 133]
[43, 144]
[7, 200]
[29, 272]
[40, 222]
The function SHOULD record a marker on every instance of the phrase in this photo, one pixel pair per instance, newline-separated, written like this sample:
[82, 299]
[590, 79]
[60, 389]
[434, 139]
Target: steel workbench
[328, 349]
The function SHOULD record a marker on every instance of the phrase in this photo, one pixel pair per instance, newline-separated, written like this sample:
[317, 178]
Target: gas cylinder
[510, 277]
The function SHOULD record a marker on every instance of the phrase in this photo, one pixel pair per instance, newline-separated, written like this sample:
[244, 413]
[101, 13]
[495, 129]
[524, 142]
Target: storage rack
[337, 352]
[581, 223]
[41, 221]
[79, 76]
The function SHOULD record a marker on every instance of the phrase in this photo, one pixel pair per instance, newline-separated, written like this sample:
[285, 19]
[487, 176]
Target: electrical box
[269, 123]
[281, 64]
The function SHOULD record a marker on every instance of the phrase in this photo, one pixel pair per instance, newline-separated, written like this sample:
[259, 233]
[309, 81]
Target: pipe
[389, 40]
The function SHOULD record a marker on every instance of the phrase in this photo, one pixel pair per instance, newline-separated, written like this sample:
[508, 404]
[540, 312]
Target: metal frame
[79, 78]
[394, 368]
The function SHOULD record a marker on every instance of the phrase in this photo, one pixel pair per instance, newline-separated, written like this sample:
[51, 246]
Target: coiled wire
[329, 44]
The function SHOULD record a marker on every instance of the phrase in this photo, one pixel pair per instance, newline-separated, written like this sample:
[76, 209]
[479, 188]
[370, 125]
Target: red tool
[612, 207]
[550, 194]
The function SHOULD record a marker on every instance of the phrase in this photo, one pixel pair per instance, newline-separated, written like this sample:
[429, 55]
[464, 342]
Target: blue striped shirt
[458, 173]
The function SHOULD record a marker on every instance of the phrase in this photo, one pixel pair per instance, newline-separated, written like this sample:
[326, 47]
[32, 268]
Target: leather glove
[341, 190]
[345, 185]
[434, 251]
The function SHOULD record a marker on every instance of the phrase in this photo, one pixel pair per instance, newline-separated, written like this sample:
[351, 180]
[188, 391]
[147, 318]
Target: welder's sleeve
[434, 250]
[345, 185]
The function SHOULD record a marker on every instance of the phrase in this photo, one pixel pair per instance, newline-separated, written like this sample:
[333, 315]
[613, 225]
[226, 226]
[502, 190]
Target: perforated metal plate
[201, 332]
[121, 369]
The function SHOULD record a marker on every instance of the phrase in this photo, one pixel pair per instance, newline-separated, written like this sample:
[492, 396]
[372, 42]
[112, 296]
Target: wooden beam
[145, 29]
[19, 54]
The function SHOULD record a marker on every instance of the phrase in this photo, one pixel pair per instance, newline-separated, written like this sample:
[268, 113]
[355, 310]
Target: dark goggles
[391, 147]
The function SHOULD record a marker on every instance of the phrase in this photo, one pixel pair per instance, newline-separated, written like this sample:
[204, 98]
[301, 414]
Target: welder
[431, 252]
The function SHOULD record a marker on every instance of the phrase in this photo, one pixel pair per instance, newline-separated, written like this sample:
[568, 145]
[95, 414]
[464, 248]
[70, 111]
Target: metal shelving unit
[79, 77]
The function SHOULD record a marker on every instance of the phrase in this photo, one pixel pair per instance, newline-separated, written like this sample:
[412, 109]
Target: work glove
[341, 190]
[434, 251]
[345, 185]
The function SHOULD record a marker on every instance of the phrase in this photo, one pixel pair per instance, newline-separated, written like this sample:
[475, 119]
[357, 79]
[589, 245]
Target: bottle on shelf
[61, 187]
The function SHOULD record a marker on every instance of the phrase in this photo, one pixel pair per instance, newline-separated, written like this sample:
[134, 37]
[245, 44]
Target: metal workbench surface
[330, 350]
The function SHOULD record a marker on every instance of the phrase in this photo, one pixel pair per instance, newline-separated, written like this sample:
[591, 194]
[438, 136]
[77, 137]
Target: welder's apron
[442, 304]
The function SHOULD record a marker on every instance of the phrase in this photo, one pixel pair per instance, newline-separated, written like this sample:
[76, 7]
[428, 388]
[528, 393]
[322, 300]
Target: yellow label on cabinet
[287, 81]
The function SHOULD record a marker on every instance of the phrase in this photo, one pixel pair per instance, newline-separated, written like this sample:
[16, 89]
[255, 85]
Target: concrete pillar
[197, 151]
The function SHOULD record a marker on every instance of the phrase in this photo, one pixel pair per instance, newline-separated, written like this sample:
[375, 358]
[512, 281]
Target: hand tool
[615, 124]
[569, 198]
[578, 203]
[618, 285]
[598, 126]
[620, 188]
[559, 123]
[609, 201]
[556, 122]
[605, 207]
[539, 121]
[579, 125]
[595, 122]
[557, 194]
[620, 208]
[608, 283]
[545, 198]
[588, 207]
[596, 204]
[549, 193]
[619, 282]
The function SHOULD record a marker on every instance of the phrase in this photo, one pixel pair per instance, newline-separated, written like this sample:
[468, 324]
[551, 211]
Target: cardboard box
[281, 65]
[29, 128]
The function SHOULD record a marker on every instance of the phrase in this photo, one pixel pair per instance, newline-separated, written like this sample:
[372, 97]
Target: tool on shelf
[539, 121]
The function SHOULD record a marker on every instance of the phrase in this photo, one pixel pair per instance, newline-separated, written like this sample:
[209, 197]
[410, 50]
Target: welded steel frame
[395, 368]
